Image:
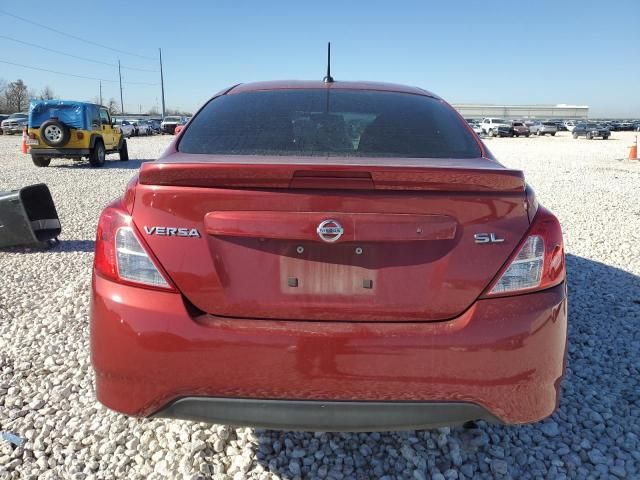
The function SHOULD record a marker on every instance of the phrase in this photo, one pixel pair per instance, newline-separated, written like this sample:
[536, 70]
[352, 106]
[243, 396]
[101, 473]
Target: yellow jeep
[69, 129]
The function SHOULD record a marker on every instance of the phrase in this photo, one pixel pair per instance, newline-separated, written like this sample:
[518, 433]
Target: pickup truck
[490, 126]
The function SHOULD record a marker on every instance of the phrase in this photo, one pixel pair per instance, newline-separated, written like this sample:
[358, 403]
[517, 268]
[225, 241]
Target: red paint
[396, 309]
[242, 171]
[245, 276]
[506, 354]
[360, 227]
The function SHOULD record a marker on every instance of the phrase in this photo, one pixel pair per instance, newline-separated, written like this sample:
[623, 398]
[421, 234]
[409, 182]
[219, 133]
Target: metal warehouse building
[565, 112]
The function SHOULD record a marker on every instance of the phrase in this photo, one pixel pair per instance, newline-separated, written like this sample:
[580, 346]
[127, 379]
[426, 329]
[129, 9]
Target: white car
[125, 127]
[570, 125]
[490, 125]
[477, 127]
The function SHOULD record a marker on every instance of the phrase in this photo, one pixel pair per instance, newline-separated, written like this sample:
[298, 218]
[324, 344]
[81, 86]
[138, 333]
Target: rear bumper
[323, 415]
[502, 360]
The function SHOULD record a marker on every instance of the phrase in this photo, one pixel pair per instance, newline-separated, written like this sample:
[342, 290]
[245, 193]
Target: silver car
[542, 128]
[142, 127]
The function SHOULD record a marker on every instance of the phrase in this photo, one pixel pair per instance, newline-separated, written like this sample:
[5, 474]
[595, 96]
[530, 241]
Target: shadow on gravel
[62, 246]
[75, 246]
[595, 431]
[114, 164]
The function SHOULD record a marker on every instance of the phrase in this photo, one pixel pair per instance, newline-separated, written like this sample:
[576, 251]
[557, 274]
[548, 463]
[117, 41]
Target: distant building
[565, 112]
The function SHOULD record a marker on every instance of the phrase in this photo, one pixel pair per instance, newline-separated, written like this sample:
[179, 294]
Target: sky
[545, 52]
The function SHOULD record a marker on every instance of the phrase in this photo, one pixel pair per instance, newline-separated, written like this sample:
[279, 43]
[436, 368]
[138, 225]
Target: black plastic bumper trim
[315, 415]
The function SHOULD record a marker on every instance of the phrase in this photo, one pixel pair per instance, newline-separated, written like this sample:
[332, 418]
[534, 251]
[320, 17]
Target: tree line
[15, 96]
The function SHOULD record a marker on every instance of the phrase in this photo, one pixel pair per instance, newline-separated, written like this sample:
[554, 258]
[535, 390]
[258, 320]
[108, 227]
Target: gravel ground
[46, 381]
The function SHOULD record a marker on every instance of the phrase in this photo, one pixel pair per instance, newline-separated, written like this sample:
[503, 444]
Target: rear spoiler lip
[207, 171]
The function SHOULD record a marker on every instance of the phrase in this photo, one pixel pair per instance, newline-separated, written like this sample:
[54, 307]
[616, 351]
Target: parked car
[142, 127]
[542, 128]
[154, 123]
[490, 127]
[519, 128]
[14, 123]
[503, 131]
[560, 126]
[181, 125]
[2, 118]
[125, 126]
[433, 293]
[69, 129]
[169, 124]
[591, 130]
[477, 127]
[570, 125]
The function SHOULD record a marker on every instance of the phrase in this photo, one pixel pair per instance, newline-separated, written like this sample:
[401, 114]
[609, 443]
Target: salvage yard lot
[46, 380]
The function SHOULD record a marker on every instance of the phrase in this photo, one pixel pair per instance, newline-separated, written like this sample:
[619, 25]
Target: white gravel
[46, 381]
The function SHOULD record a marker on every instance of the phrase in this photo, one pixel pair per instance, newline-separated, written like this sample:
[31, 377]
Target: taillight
[122, 256]
[537, 263]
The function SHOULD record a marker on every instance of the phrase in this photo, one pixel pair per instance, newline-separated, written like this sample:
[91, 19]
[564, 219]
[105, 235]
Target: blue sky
[581, 52]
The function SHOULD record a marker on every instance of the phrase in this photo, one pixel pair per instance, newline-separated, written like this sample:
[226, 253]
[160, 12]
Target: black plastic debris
[28, 217]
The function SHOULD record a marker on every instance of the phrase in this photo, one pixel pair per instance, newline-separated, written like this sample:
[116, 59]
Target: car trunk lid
[405, 248]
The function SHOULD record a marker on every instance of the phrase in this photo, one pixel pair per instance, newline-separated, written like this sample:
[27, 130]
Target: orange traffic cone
[25, 149]
[633, 151]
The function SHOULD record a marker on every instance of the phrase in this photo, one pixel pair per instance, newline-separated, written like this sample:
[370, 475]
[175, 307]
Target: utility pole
[121, 100]
[101, 92]
[161, 82]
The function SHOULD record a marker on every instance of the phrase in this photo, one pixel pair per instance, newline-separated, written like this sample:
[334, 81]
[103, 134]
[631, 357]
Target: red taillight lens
[537, 263]
[122, 256]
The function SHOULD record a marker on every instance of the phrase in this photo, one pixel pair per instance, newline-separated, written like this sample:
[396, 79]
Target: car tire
[527, 135]
[124, 152]
[575, 135]
[492, 133]
[98, 154]
[604, 137]
[54, 133]
[553, 134]
[40, 161]
[588, 136]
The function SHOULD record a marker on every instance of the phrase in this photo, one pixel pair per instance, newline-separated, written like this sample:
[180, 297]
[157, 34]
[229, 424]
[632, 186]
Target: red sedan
[329, 256]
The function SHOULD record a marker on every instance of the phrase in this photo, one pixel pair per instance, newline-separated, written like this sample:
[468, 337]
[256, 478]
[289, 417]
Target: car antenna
[328, 78]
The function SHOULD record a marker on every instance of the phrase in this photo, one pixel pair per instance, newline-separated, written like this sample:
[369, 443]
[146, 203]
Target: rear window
[329, 123]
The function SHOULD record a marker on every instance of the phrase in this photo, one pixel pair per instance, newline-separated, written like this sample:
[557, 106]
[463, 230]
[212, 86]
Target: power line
[91, 42]
[75, 56]
[74, 75]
